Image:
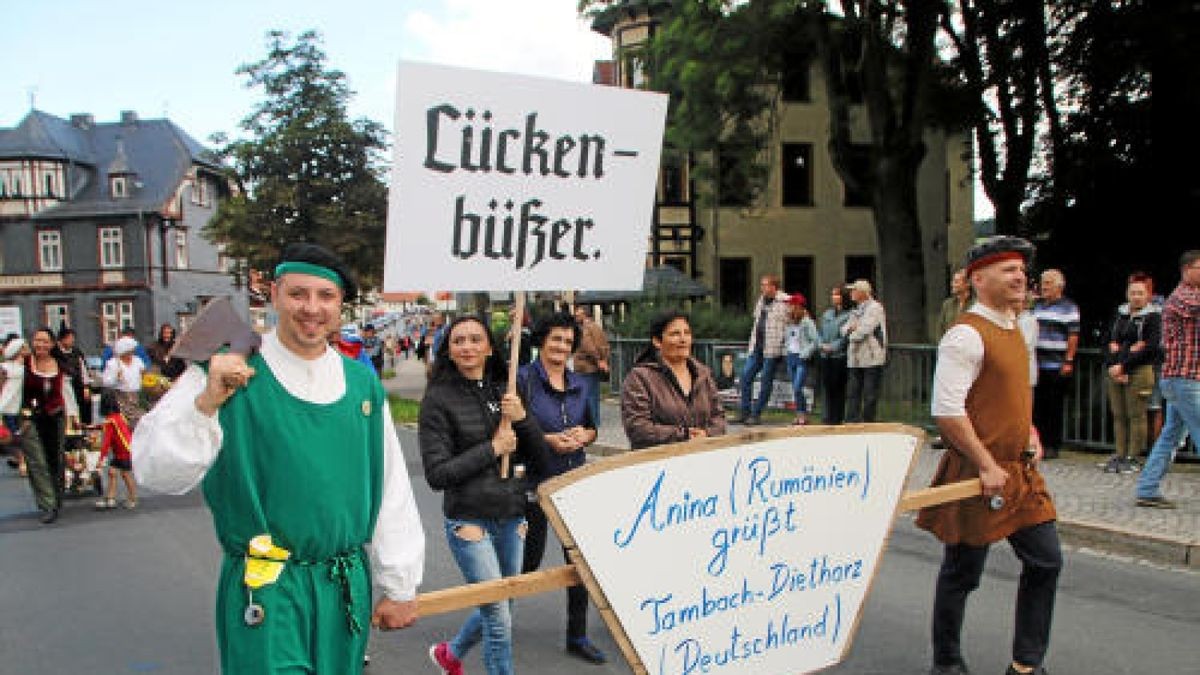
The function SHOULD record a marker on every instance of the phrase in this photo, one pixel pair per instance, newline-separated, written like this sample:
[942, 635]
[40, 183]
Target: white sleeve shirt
[175, 444]
[123, 377]
[959, 360]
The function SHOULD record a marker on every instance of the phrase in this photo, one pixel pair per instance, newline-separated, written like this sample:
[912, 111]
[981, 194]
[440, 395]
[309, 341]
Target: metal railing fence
[907, 386]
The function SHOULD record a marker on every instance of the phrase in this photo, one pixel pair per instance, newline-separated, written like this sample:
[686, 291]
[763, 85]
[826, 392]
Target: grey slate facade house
[100, 227]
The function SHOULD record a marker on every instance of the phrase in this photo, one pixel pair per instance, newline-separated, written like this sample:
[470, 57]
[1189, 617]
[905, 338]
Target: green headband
[297, 267]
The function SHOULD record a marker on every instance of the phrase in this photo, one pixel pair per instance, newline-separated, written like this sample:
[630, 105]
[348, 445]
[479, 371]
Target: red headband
[993, 258]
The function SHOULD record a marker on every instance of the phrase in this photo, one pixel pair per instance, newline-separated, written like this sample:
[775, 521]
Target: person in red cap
[800, 340]
[983, 406]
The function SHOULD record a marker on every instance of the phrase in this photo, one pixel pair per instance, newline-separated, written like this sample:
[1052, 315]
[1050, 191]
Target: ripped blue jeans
[487, 549]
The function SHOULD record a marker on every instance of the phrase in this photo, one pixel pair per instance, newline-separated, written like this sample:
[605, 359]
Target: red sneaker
[442, 657]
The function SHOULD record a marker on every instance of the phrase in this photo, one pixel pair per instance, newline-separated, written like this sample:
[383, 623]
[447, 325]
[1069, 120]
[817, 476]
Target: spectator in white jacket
[866, 337]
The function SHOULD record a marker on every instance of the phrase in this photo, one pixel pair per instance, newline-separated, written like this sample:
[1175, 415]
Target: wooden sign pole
[473, 595]
[514, 352]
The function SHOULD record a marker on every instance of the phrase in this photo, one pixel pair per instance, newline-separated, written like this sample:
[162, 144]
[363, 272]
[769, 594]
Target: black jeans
[962, 565]
[535, 547]
[1048, 398]
[862, 393]
[833, 385]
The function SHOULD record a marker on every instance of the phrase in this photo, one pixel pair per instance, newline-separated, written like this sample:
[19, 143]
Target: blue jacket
[555, 411]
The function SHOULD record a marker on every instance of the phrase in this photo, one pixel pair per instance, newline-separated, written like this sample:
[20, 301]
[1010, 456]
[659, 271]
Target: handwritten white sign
[505, 182]
[751, 558]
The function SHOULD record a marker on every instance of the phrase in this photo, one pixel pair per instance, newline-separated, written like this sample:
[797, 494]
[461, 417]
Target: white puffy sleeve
[397, 547]
[175, 444]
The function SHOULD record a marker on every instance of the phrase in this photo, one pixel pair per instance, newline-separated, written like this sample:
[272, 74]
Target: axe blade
[215, 326]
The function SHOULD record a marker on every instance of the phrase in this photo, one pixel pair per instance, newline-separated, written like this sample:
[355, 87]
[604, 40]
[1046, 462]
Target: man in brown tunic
[983, 407]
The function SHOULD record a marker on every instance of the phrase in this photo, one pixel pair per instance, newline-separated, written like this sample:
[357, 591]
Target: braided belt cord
[340, 567]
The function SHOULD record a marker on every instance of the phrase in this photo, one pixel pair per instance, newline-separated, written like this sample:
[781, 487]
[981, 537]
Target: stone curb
[1148, 547]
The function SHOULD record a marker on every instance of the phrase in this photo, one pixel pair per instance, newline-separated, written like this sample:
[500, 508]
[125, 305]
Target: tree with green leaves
[883, 50]
[307, 172]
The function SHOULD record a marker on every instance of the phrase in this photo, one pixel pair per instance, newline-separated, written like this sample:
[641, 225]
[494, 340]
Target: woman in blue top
[556, 397]
[833, 356]
[800, 341]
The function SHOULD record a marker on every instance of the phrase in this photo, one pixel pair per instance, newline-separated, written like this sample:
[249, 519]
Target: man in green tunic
[300, 465]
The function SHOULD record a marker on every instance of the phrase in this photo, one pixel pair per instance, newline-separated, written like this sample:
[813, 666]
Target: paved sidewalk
[1095, 509]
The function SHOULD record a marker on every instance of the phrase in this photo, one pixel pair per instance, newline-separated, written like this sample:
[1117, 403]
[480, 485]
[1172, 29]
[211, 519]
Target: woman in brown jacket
[669, 396]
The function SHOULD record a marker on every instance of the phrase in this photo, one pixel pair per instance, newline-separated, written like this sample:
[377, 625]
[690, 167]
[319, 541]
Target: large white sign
[752, 558]
[505, 182]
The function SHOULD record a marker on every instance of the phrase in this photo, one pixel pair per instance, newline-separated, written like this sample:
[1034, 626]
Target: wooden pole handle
[495, 590]
[514, 353]
[952, 492]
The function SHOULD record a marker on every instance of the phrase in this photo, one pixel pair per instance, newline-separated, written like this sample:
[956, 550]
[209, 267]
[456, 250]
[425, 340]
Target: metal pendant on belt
[254, 614]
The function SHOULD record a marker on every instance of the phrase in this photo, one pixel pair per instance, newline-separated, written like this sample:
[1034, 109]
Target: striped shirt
[1057, 321]
[1181, 333]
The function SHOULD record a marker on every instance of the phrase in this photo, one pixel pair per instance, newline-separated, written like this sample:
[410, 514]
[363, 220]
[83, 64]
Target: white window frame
[56, 314]
[50, 252]
[117, 183]
[181, 249]
[112, 248]
[115, 315]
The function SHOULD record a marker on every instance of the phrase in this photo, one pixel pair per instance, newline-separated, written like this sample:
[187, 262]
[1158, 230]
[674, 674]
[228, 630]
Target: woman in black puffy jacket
[1133, 348]
[462, 443]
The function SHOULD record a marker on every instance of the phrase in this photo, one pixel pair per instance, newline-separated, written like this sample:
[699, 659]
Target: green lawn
[404, 410]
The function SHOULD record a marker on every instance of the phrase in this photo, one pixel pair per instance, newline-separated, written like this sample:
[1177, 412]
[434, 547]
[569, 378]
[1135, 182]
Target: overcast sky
[178, 59]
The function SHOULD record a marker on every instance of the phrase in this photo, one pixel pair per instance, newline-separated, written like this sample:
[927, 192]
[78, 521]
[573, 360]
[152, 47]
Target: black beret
[995, 249]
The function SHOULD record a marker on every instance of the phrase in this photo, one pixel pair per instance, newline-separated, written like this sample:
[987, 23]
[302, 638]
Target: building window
[795, 84]
[112, 248]
[181, 249]
[798, 277]
[48, 182]
[858, 161]
[734, 188]
[674, 178]
[861, 267]
[797, 174]
[735, 283]
[118, 187]
[56, 315]
[200, 191]
[634, 71]
[50, 250]
[115, 315]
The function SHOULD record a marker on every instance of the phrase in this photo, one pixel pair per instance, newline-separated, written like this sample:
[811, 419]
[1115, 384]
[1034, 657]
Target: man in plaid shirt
[1180, 380]
[765, 348]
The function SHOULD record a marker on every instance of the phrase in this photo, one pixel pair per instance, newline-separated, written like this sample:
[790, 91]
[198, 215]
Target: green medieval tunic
[311, 476]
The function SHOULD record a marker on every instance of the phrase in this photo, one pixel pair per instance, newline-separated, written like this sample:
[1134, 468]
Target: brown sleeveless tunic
[1000, 407]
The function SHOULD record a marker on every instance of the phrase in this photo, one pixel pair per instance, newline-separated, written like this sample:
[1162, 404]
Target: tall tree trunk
[901, 286]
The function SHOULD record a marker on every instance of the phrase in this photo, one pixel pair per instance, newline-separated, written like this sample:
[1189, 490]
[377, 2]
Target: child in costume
[115, 448]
